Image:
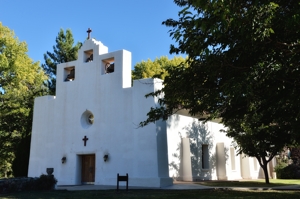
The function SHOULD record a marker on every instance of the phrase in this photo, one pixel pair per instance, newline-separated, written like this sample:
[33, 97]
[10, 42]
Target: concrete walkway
[175, 186]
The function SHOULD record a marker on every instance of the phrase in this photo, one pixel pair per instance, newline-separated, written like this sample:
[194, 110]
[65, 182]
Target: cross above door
[85, 139]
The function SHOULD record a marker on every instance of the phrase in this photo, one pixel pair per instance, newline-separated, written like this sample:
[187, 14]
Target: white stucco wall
[151, 155]
[58, 128]
[199, 133]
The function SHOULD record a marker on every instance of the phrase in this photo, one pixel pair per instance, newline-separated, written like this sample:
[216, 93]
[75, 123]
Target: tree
[243, 67]
[156, 68]
[21, 80]
[63, 51]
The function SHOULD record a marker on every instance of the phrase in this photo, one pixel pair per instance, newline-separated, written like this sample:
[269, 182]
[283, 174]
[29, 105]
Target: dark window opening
[69, 74]
[88, 56]
[205, 157]
[109, 67]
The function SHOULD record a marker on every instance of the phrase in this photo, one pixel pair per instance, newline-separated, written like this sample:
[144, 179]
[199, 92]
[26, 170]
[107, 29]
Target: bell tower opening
[69, 74]
[88, 56]
[109, 65]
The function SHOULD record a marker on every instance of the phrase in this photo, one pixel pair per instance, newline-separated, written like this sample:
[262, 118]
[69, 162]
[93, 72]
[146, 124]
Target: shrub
[291, 171]
[280, 165]
[44, 182]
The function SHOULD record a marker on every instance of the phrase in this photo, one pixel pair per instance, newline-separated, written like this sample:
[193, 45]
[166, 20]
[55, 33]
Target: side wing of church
[88, 133]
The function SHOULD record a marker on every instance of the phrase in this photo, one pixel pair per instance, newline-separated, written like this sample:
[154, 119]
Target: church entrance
[88, 169]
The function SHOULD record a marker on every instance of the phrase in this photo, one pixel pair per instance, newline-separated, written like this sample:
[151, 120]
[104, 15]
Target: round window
[87, 119]
[91, 119]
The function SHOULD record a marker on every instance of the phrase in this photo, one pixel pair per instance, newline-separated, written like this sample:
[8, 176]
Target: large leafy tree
[243, 67]
[21, 80]
[156, 68]
[63, 51]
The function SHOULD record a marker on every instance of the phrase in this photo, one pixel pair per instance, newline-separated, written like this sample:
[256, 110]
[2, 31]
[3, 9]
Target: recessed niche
[205, 156]
[87, 119]
[109, 65]
[69, 74]
[88, 56]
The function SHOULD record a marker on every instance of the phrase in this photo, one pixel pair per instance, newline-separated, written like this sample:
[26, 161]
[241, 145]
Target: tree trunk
[264, 165]
[265, 168]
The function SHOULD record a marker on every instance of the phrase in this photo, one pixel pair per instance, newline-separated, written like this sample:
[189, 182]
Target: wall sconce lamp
[105, 157]
[63, 160]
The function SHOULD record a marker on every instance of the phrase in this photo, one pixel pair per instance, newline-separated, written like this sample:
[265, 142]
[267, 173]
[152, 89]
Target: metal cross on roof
[89, 33]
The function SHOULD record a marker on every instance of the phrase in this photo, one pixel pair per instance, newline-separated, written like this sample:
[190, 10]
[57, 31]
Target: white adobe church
[88, 132]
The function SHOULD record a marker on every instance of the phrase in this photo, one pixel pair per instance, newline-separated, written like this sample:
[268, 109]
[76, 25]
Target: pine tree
[63, 51]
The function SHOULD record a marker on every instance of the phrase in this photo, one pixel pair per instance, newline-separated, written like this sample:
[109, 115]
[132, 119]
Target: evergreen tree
[63, 51]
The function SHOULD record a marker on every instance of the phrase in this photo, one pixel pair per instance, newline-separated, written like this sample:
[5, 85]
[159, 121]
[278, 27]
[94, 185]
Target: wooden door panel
[88, 168]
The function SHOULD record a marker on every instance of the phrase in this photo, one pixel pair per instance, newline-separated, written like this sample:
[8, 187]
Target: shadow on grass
[166, 194]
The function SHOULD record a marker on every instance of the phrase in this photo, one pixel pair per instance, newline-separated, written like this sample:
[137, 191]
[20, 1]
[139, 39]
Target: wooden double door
[88, 169]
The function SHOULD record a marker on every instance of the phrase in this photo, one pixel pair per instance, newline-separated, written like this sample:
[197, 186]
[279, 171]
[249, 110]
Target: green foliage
[284, 171]
[243, 59]
[280, 165]
[156, 68]
[63, 51]
[21, 80]
[296, 155]
[20, 163]
[44, 182]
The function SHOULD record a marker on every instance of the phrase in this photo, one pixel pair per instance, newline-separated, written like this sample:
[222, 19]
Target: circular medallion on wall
[87, 119]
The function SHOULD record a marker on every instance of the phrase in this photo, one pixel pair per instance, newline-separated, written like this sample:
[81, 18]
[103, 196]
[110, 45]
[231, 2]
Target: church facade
[88, 133]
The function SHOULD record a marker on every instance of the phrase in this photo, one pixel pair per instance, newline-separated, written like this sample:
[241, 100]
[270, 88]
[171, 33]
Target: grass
[252, 183]
[163, 194]
[171, 194]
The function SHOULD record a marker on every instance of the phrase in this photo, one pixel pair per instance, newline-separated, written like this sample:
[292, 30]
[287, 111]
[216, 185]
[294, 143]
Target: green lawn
[171, 194]
[165, 194]
[250, 183]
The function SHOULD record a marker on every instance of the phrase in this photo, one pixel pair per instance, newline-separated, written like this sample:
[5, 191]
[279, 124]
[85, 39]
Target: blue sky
[133, 25]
